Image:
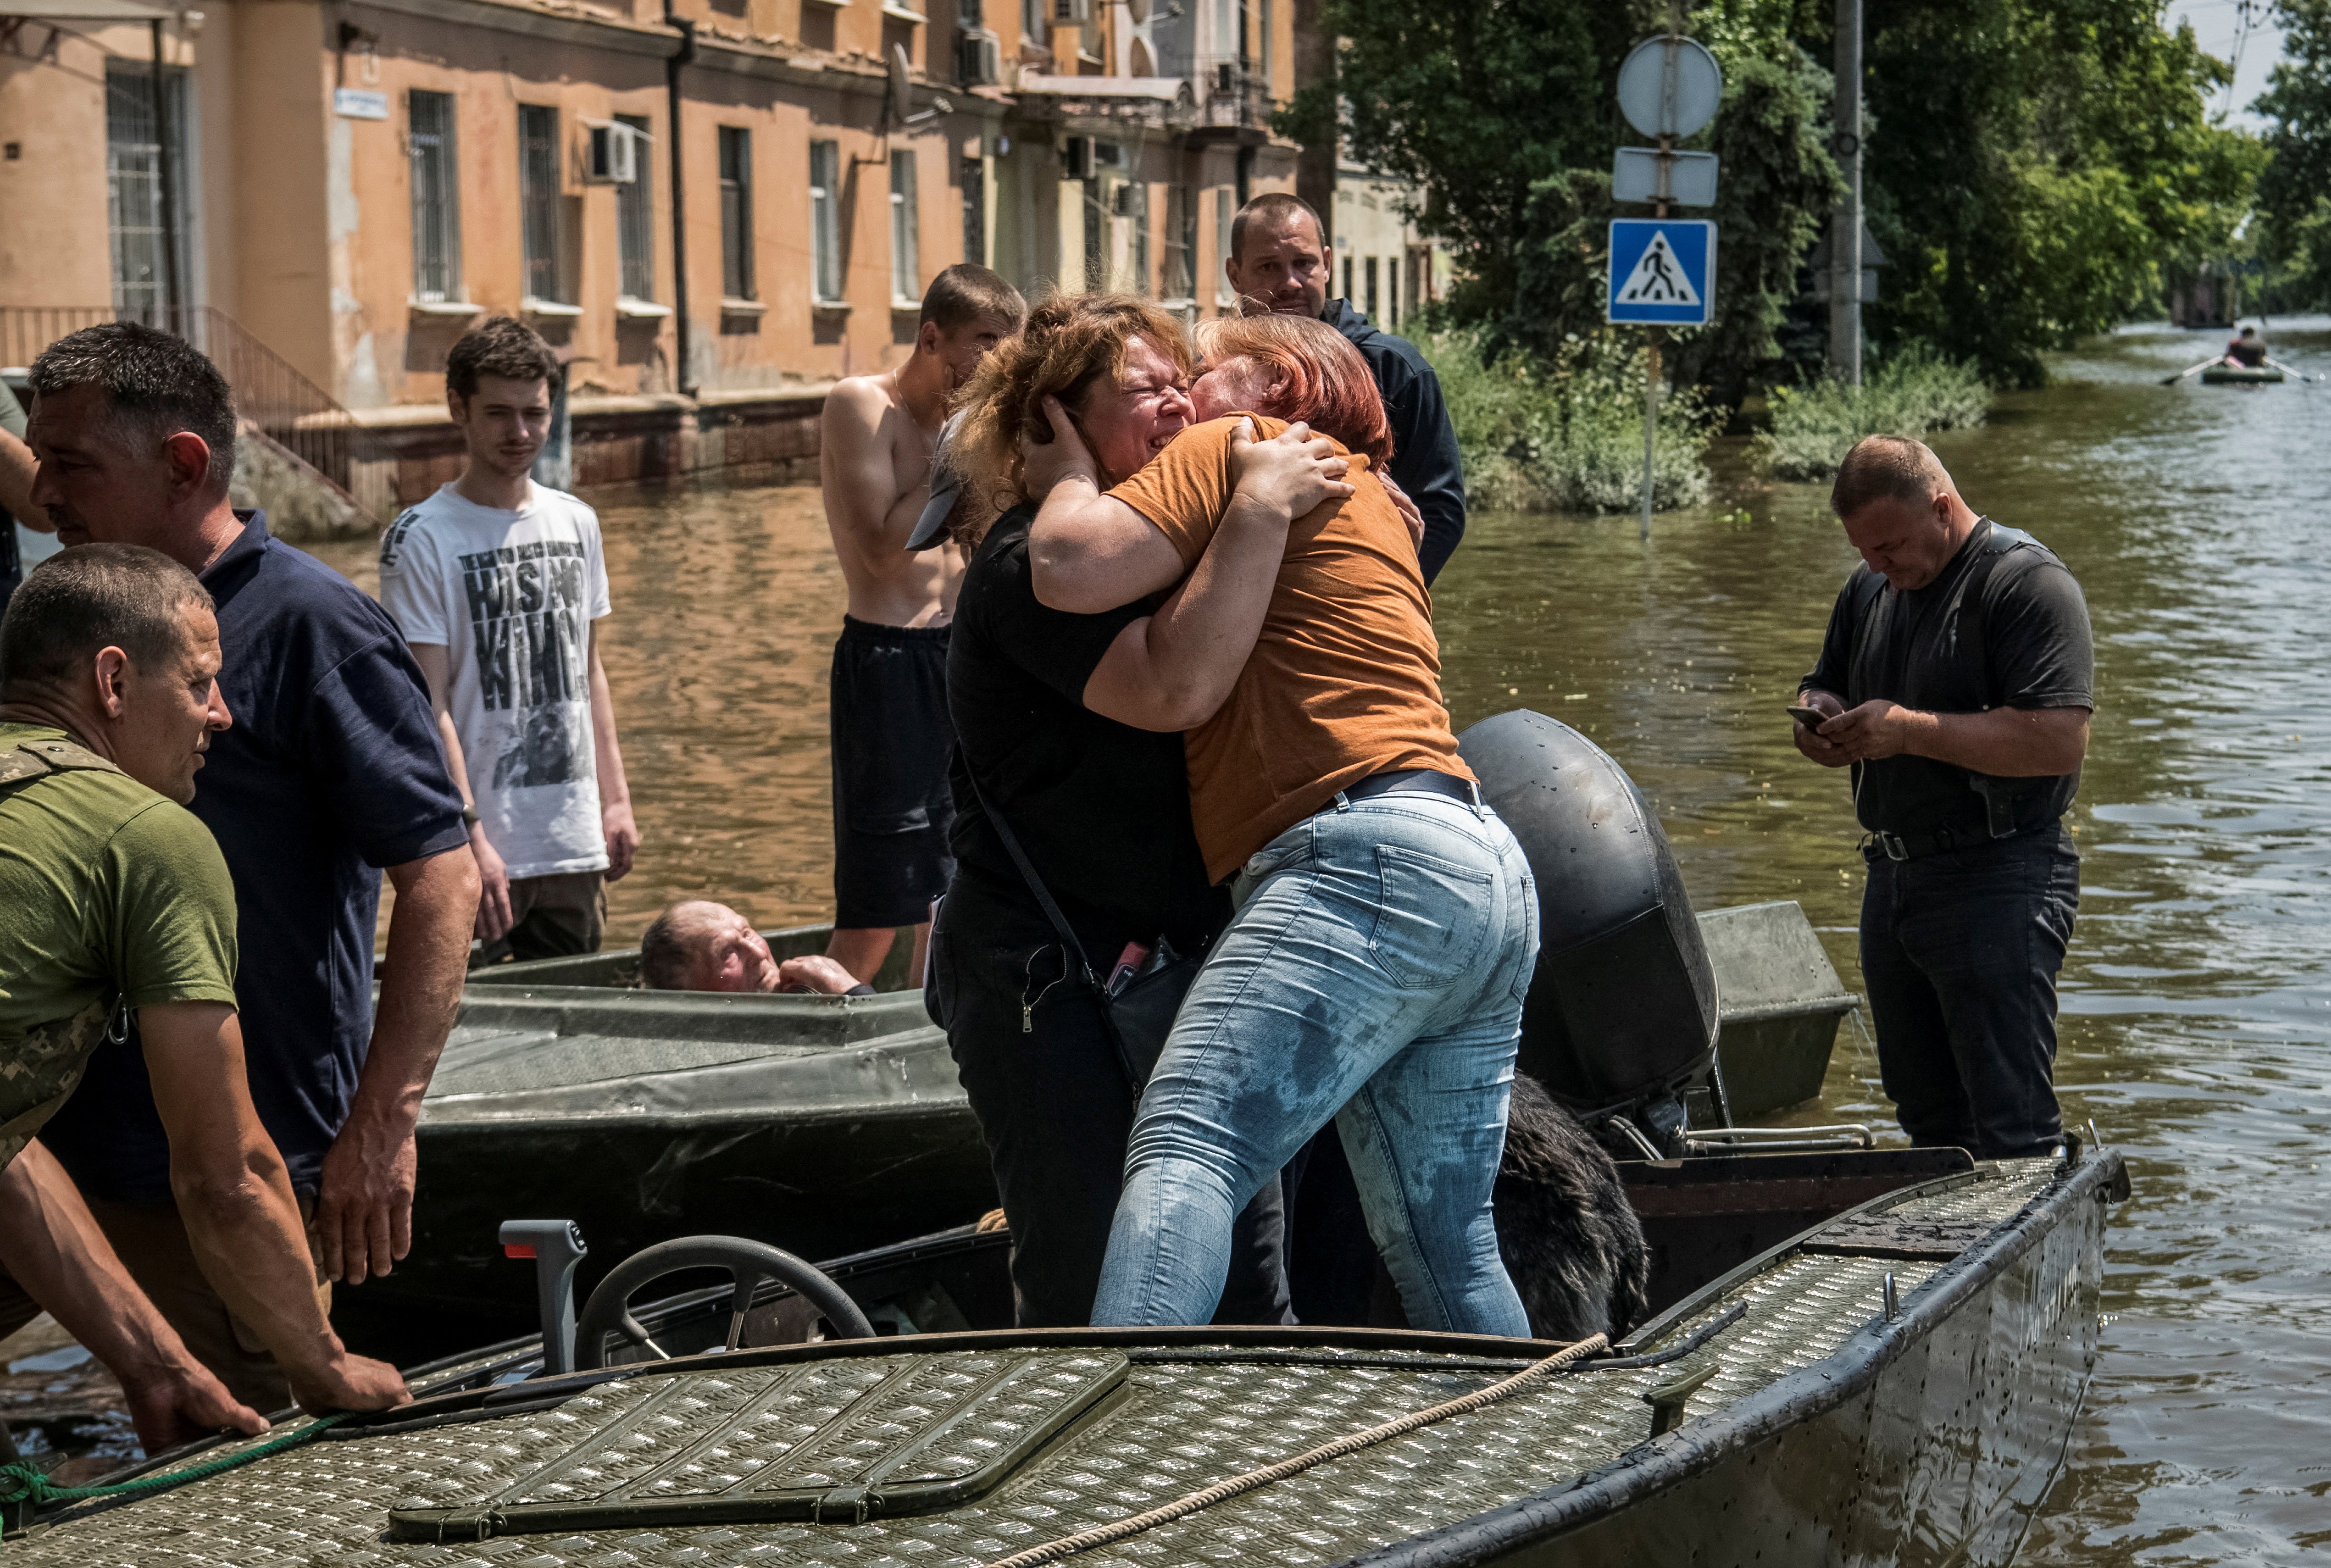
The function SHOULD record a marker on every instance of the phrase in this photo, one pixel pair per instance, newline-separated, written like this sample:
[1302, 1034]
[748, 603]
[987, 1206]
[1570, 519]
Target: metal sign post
[1663, 272]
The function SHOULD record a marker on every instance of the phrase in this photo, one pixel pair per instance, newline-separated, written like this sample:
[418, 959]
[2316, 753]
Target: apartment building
[697, 200]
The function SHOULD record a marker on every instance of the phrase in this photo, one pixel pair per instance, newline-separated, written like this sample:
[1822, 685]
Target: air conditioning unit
[615, 154]
[1076, 158]
[979, 59]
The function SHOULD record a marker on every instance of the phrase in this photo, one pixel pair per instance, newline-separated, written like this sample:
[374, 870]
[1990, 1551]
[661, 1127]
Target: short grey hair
[672, 945]
[1888, 468]
[95, 596]
[157, 382]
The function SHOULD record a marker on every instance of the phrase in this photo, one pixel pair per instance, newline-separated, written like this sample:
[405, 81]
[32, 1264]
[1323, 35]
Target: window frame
[826, 279]
[635, 227]
[906, 231]
[443, 148]
[737, 273]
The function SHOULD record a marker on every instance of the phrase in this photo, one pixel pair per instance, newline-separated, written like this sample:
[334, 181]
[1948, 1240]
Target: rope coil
[1221, 1491]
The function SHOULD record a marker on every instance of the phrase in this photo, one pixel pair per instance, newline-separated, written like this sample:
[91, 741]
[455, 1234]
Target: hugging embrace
[1193, 675]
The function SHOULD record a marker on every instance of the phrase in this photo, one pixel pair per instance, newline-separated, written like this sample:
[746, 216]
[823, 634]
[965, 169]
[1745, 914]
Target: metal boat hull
[1824, 1429]
[1931, 1440]
[822, 1125]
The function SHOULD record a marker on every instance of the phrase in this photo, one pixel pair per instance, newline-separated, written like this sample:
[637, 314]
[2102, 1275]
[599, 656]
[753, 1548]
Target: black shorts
[891, 738]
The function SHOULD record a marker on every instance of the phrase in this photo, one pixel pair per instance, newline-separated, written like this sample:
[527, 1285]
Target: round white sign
[1669, 86]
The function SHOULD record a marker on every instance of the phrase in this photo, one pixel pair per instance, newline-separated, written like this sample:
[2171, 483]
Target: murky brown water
[2198, 995]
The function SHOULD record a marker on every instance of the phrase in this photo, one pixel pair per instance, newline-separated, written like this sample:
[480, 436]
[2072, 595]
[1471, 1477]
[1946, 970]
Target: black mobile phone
[1810, 717]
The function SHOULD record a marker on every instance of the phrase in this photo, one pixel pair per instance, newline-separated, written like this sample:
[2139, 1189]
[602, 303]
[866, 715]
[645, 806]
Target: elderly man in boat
[115, 905]
[698, 945]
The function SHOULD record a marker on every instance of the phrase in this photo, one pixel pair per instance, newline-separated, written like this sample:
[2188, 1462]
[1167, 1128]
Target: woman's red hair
[1316, 373]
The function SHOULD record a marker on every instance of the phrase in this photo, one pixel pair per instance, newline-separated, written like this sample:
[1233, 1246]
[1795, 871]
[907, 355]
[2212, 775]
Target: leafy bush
[1569, 436]
[1914, 394]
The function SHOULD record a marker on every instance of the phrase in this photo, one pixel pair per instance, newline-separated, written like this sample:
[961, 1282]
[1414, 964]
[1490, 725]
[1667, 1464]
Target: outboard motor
[1621, 1013]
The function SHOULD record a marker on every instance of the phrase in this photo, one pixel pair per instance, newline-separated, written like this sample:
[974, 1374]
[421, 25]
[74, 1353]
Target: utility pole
[1845, 226]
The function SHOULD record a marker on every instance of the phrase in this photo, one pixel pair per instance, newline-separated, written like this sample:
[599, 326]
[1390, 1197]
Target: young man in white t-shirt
[499, 586]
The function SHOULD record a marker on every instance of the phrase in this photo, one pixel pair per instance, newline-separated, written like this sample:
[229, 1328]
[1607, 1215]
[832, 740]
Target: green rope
[22, 1483]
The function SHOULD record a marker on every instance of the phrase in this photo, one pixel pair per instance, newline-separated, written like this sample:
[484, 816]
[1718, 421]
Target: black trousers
[1960, 952]
[1056, 1108]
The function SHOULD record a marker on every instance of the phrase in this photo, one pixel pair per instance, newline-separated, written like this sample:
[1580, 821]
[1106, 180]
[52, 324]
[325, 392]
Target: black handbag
[1138, 1014]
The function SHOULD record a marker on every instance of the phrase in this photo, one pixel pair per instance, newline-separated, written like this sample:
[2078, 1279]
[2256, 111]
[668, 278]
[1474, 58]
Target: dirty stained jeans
[1374, 974]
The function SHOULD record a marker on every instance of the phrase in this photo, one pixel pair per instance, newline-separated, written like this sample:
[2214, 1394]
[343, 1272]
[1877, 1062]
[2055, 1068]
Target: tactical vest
[2005, 813]
[38, 1072]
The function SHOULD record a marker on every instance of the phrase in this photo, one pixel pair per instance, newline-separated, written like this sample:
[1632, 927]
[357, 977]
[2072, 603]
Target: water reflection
[2195, 996]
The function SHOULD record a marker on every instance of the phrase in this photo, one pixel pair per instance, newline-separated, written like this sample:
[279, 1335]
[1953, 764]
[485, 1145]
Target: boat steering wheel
[748, 1263]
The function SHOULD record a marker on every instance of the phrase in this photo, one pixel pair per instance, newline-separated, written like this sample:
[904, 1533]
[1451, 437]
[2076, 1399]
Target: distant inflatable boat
[2239, 374]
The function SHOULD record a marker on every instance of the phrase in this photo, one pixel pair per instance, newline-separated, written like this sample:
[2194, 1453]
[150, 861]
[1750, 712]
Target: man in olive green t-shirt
[115, 900]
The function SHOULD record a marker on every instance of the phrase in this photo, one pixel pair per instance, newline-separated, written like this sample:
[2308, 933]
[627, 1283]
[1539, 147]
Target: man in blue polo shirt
[331, 773]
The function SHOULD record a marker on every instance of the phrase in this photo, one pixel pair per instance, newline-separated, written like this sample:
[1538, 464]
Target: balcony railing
[268, 391]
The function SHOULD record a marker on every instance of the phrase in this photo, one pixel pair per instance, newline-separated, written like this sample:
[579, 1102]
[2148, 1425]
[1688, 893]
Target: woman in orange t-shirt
[1387, 922]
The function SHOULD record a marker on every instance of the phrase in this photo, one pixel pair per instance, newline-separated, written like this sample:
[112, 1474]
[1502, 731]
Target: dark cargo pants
[1960, 952]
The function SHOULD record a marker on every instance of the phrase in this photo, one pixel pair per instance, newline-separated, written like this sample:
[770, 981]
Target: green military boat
[1863, 1357]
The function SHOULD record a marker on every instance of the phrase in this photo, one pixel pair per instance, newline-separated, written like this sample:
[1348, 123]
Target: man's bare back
[876, 466]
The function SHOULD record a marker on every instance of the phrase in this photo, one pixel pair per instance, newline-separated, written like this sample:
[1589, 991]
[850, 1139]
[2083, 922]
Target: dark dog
[1570, 1238]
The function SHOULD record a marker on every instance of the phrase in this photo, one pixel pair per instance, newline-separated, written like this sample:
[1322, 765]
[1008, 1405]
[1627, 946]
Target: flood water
[2197, 998]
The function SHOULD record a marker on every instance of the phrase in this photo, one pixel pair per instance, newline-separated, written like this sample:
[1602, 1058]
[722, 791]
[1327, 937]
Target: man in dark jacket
[1278, 262]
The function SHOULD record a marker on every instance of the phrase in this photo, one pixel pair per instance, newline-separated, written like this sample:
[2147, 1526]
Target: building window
[1266, 50]
[538, 200]
[1136, 207]
[906, 265]
[1348, 277]
[1222, 219]
[975, 211]
[736, 211]
[825, 221]
[133, 190]
[436, 197]
[1372, 289]
[636, 216]
[1392, 290]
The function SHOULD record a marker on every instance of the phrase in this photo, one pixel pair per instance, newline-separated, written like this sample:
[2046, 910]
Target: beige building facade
[715, 204]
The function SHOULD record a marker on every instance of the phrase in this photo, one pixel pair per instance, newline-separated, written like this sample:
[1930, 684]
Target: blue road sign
[1662, 270]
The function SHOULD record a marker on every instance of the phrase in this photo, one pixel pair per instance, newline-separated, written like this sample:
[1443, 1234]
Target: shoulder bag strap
[1035, 883]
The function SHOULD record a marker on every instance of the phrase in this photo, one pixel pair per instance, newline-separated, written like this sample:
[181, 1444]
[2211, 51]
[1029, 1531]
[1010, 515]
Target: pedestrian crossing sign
[1662, 270]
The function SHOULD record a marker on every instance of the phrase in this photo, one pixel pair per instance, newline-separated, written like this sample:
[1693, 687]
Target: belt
[1884, 846]
[1414, 780]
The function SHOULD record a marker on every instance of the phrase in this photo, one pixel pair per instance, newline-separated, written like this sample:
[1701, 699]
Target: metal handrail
[269, 391]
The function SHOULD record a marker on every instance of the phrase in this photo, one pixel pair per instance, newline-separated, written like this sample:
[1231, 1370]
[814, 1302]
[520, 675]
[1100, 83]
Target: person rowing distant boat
[2248, 350]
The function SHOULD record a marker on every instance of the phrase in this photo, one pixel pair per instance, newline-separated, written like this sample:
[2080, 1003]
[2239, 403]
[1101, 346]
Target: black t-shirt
[1102, 808]
[2250, 351]
[332, 771]
[2015, 636]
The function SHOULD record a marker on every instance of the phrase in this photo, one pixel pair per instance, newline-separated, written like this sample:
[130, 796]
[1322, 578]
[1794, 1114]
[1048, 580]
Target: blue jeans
[1960, 952]
[1374, 974]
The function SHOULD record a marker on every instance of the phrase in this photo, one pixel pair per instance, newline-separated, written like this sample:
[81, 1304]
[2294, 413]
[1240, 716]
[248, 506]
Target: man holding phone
[1957, 681]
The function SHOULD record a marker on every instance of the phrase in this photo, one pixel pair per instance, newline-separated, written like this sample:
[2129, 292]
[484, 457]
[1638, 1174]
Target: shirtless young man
[888, 696]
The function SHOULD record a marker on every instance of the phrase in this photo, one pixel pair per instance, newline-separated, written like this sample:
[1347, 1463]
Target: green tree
[2294, 194]
[2032, 163]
